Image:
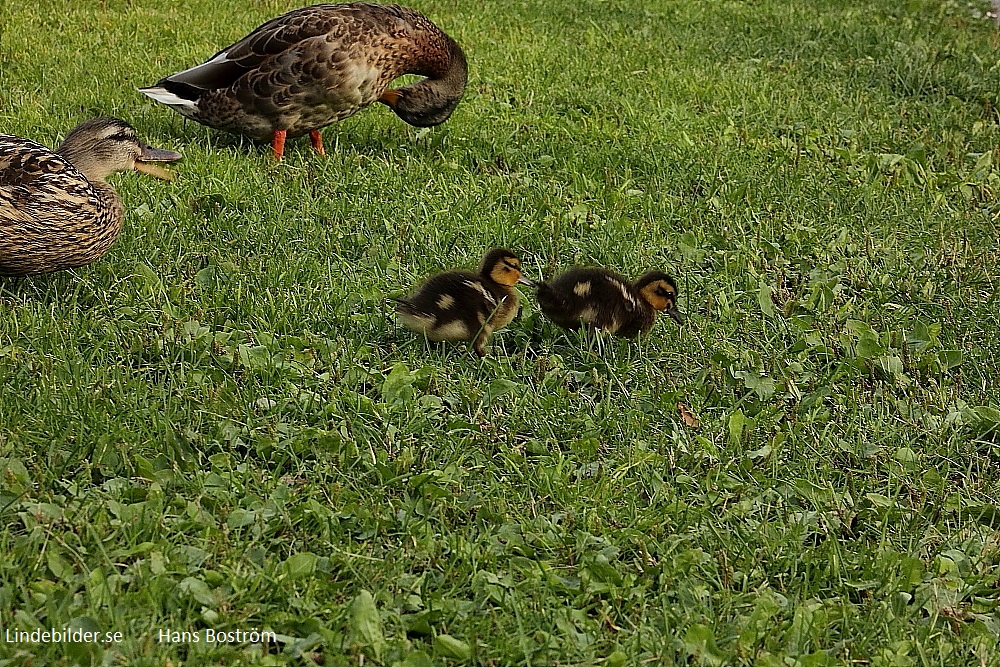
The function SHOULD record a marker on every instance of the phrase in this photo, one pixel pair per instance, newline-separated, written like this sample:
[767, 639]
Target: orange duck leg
[317, 141]
[278, 143]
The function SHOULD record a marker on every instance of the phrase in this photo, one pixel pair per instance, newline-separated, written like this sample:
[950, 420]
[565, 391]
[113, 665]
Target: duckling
[56, 210]
[461, 305]
[315, 65]
[602, 299]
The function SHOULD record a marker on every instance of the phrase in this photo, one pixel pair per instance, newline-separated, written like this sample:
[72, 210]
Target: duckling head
[101, 146]
[660, 291]
[503, 267]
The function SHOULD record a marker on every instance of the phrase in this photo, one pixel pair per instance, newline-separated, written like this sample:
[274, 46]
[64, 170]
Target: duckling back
[457, 306]
[461, 305]
[596, 298]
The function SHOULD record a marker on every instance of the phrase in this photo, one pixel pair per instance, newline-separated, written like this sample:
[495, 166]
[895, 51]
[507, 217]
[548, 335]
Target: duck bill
[150, 155]
[526, 281]
[390, 97]
[675, 315]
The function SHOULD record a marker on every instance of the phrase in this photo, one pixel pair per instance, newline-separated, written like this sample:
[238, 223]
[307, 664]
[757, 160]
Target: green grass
[220, 425]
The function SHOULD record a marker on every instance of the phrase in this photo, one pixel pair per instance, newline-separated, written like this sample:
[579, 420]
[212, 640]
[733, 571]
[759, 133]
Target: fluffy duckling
[461, 305]
[56, 210]
[602, 299]
[315, 65]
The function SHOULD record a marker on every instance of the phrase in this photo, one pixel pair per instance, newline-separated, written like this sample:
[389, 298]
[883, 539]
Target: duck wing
[36, 184]
[50, 215]
[23, 162]
[281, 35]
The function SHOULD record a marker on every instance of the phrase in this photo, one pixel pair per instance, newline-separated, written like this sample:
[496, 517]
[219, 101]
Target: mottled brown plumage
[461, 305]
[316, 65]
[602, 299]
[56, 210]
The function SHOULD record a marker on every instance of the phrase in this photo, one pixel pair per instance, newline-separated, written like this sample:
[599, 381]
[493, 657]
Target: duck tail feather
[177, 97]
[404, 306]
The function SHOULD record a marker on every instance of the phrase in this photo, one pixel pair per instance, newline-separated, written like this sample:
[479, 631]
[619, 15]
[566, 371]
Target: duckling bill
[312, 66]
[56, 209]
[466, 306]
[604, 300]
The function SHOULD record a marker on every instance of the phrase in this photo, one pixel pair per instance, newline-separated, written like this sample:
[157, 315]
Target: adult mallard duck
[461, 305]
[56, 210]
[602, 299]
[313, 66]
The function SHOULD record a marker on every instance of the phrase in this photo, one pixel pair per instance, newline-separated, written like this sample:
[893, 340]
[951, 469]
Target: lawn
[220, 425]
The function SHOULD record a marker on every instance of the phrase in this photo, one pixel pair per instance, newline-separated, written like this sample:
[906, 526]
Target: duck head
[431, 101]
[101, 146]
[503, 267]
[660, 291]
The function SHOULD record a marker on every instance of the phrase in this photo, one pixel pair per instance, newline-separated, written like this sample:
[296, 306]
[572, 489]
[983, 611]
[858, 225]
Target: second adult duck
[313, 66]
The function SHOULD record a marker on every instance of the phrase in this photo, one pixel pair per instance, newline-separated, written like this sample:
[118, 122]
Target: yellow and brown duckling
[315, 65]
[56, 210]
[603, 300]
[461, 305]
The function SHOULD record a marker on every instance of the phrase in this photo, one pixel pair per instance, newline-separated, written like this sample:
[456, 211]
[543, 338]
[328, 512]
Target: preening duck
[461, 305]
[56, 210]
[602, 299]
[315, 65]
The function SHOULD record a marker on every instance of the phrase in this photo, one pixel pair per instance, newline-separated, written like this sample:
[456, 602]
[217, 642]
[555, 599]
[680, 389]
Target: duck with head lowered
[315, 65]
[604, 300]
[56, 209]
[462, 305]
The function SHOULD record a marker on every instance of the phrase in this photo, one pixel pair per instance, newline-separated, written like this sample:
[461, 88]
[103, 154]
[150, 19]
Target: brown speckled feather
[51, 216]
[316, 65]
[56, 210]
